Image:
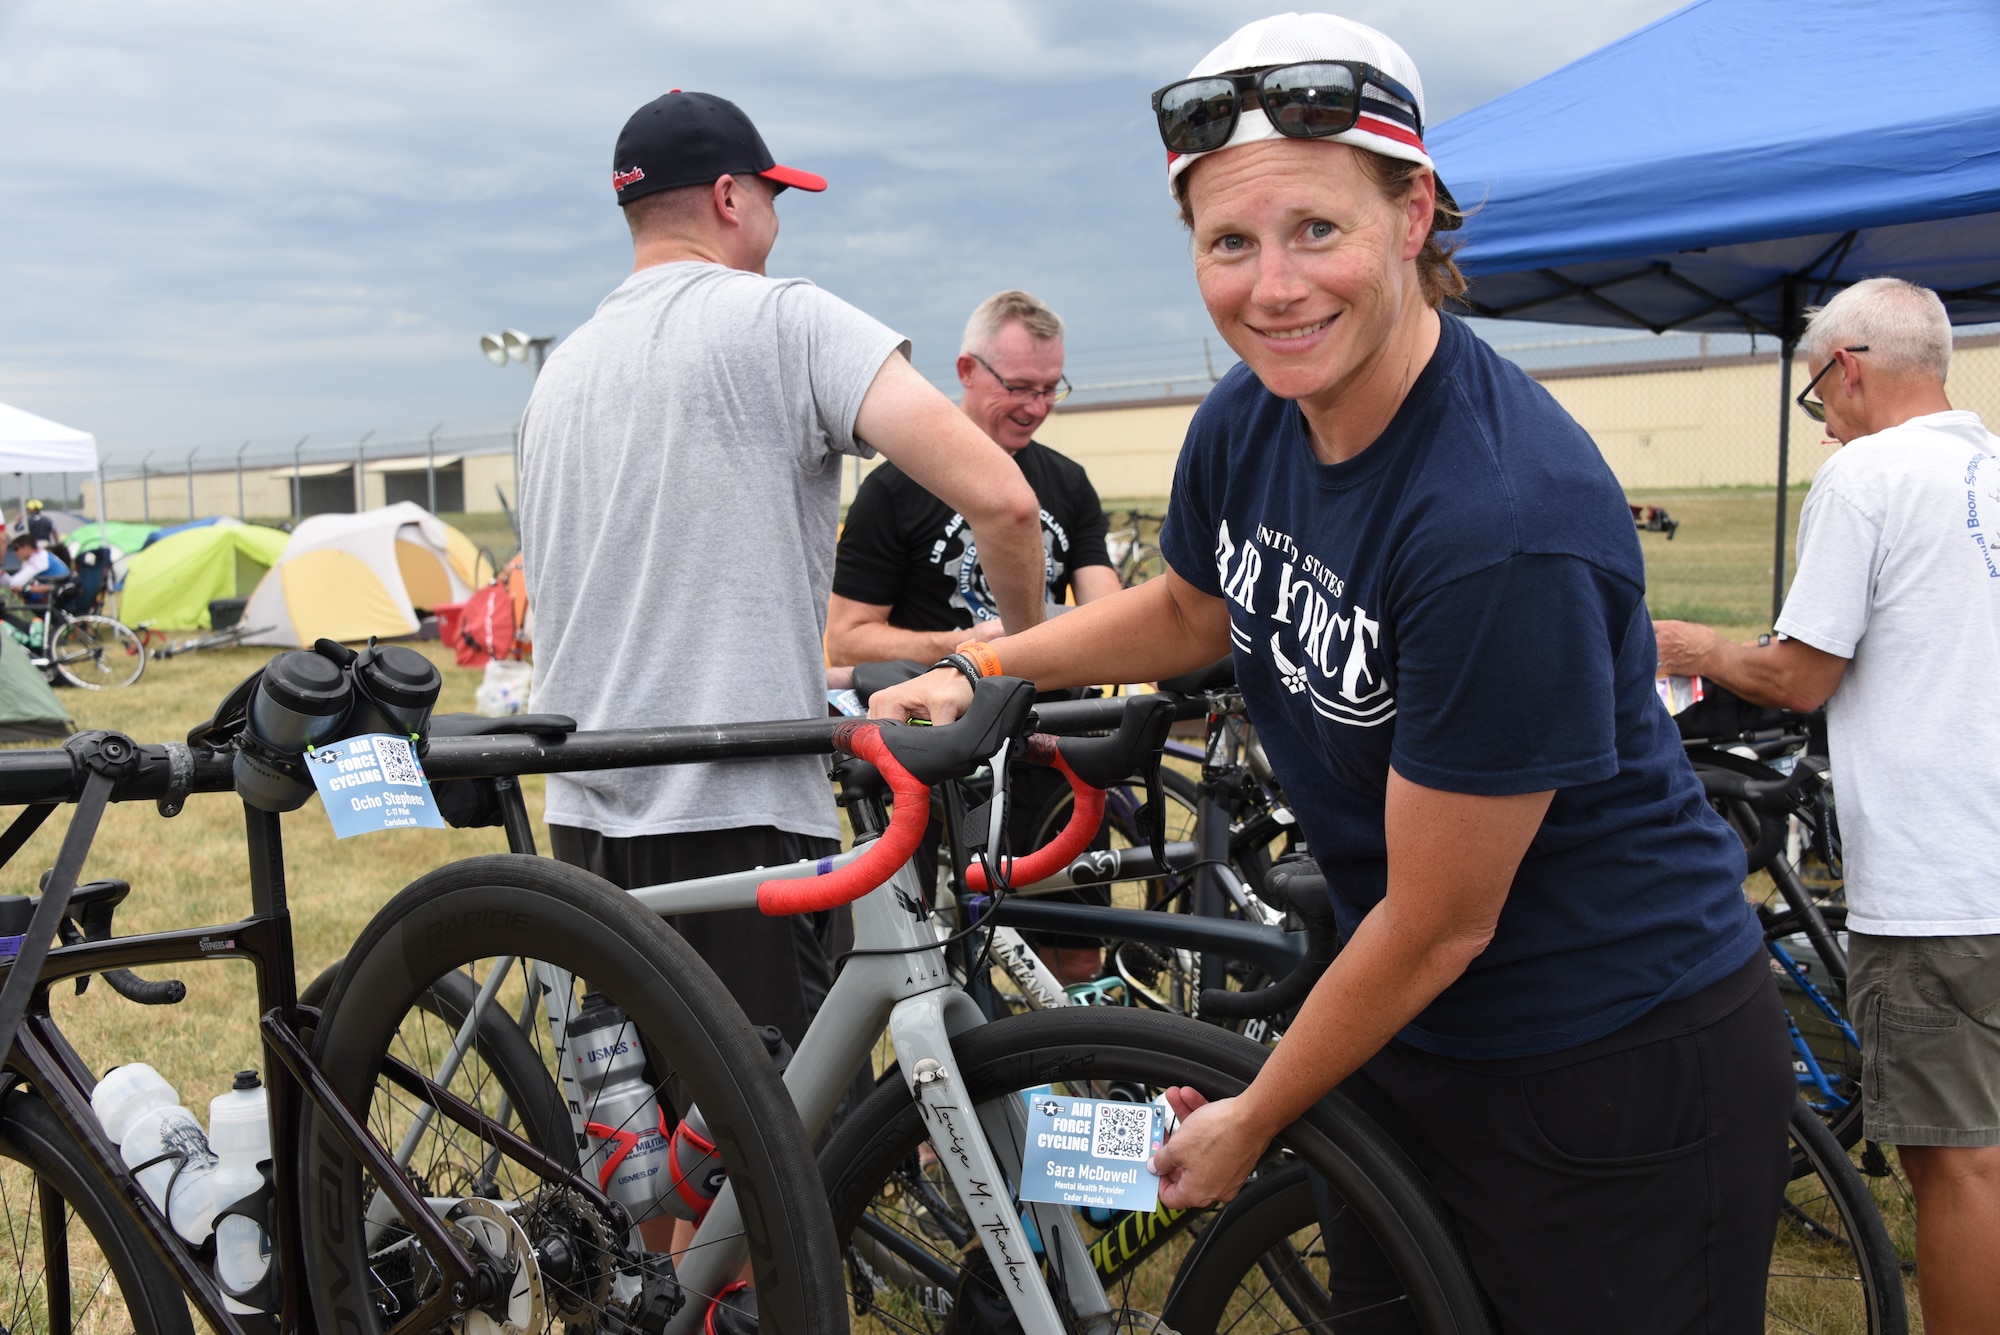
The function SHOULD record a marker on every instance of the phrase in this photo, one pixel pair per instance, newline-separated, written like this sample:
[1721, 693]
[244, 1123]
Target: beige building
[1703, 422]
[1662, 426]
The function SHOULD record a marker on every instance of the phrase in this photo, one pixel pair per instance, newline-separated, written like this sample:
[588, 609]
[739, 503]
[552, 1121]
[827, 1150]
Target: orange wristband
[982, 656]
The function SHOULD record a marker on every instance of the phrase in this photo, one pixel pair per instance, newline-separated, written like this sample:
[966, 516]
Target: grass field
[191, 869]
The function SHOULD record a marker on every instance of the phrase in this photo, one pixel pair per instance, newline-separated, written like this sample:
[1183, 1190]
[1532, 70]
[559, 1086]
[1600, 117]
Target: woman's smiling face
[1305, 267]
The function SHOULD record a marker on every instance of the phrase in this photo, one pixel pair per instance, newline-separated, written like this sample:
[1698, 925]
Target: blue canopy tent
[1734, 163]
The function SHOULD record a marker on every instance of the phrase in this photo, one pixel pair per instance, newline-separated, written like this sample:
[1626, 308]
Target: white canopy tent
[31, 444]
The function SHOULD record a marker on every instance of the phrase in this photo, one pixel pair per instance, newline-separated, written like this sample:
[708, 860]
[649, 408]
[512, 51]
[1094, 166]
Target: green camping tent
[172, 582]
[125, 538]
[28, 708]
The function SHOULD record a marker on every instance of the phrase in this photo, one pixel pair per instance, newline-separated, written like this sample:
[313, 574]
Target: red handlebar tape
[831, 889]
[1086, 816]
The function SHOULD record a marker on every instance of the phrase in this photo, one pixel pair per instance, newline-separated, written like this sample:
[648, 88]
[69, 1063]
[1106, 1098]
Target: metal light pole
[511, 345]
[361, 472]
[145, 490]
[190, 472]
[298, 494]
[431, 466]
[239, 481]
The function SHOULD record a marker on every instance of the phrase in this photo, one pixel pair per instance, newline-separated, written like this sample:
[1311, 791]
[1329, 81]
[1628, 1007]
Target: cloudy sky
[224, 220]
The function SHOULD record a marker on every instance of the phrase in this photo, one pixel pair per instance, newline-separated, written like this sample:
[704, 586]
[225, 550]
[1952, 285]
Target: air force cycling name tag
[370, 783]
[1091, 1152]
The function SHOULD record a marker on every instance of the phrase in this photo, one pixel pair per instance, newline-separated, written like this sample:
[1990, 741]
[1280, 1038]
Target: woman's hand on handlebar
[941, 695]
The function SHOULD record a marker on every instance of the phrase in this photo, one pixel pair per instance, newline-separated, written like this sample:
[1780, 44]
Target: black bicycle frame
[44, 1058]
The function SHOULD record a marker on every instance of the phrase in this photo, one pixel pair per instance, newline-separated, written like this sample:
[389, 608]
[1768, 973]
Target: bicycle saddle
[478, 725]
[1219, 675]
[872, 677]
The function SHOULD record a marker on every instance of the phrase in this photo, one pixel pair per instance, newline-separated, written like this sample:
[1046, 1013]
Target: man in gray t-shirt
[680, 485]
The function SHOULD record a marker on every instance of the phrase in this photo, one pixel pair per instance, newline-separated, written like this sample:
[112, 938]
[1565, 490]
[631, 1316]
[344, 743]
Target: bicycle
[456, 1198]
[1135, 555]
[1834, 1265]
[959, 1078]
[70, 642]
[1218, 838]
[904, 1212]
[230, 637]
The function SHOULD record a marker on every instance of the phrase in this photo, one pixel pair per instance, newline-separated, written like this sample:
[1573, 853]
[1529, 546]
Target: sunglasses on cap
[1313, 99]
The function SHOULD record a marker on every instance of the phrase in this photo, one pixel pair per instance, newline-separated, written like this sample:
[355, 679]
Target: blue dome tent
[1735, 163]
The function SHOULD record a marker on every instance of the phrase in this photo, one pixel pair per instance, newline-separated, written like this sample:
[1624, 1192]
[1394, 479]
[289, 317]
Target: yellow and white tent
[346, 577]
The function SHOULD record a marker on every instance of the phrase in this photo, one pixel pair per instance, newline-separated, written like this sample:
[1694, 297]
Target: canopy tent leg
[1790, 325]
[1785, 354]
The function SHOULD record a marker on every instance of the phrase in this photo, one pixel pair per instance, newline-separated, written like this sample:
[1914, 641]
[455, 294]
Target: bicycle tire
[873, 1162]
[1145, 562]
[502, 905]
[532, 1094]
[97, 653]
[40, 1153]
[1273, 1229]
[1833, 1266]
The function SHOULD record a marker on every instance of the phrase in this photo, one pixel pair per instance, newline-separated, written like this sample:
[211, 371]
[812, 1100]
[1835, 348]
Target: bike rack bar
[34, 777]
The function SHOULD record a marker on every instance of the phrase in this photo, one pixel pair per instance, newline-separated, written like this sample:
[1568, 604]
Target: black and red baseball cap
[691, 139]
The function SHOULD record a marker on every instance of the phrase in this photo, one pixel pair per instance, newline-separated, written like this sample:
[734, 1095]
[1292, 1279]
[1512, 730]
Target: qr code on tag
[398, 762]
[1122, 1131]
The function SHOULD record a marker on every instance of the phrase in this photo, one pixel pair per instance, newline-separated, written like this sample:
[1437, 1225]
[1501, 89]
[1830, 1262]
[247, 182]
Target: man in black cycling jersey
[908, 582]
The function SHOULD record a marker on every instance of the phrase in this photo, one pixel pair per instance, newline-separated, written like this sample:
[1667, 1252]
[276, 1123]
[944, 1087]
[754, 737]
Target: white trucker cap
[1387, 125]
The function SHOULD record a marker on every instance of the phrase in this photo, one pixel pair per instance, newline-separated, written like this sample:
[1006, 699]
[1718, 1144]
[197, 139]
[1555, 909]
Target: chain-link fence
[1674, 413]
[465, 468]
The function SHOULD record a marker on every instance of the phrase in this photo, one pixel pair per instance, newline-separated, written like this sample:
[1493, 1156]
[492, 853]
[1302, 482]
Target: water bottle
[622, 1117]
[239, 1131]
[396, 688]
[300, 701]
[141, 1114]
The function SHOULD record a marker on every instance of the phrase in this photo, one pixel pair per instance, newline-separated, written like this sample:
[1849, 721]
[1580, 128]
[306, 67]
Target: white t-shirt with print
[1899, 570]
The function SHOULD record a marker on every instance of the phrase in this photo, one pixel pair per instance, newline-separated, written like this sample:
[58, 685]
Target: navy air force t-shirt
[1464, 601]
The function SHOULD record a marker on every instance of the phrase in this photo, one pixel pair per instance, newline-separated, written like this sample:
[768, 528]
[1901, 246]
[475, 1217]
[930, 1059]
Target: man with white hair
[1893, 623]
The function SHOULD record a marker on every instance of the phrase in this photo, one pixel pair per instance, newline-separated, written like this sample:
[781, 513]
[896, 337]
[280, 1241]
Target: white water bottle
[141, 1114]
[621, 1112]
[239, 1131]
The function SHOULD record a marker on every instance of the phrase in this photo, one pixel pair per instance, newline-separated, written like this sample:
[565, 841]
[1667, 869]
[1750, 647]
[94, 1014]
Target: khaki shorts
[1927, 1009]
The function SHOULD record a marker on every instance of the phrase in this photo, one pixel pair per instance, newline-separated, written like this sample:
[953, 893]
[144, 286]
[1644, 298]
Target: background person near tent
[907, 582]
[38, 567]
[1893, 623]
[38, 525]
[1552, 991]
[680, 486]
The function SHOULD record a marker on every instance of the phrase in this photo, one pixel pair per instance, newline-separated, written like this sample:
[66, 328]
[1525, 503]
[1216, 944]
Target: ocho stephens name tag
[1091, 1152]
[373, 783]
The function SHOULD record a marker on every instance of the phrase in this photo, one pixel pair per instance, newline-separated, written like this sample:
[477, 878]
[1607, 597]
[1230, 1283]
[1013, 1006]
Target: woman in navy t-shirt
[1552, 990]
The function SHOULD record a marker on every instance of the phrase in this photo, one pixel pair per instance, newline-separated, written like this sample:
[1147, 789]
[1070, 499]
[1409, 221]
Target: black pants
[1631, 1184]
[778, 969]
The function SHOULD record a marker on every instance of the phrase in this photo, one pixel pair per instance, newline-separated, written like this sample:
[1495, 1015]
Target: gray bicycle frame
[911, 992]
